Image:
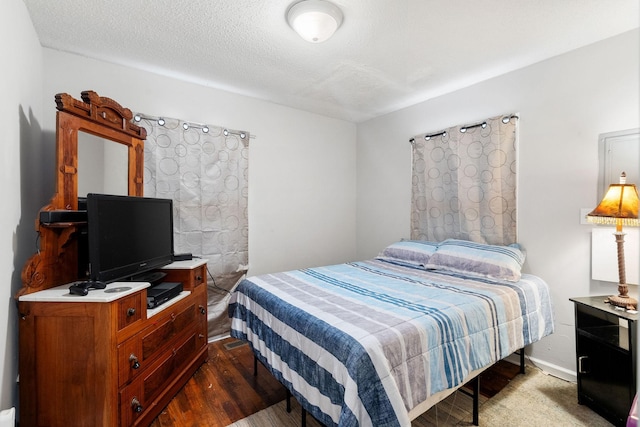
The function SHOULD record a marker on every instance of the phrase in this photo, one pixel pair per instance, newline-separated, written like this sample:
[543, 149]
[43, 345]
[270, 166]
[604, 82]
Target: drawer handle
[202, 310]
[133, 359]
[135, 404]
[581, 367]
[131, 312]
[199, 278]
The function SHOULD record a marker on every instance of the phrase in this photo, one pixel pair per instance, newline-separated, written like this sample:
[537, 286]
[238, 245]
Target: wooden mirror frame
[56, 262]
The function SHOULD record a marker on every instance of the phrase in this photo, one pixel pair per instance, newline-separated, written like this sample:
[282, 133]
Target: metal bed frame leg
[288, 398]
[304, 418]
[476, 398]
[522, 364]
[255, 366]
[475, 384]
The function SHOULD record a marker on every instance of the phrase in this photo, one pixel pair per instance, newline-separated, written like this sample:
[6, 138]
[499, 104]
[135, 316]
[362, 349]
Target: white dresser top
[185, 265]
[112, 292]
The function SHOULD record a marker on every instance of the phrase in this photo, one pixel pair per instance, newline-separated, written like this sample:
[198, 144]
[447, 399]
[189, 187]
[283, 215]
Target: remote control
[82, 288]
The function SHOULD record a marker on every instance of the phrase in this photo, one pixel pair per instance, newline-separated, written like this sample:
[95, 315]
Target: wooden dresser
[104, 359]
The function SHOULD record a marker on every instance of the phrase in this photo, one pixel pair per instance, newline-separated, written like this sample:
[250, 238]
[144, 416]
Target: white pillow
[478, 260]
[411, 253]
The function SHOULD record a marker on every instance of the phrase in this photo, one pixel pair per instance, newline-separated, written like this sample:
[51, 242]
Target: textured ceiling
[388, 54]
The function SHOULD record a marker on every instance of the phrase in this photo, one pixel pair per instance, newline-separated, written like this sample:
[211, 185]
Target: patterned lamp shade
[619, 206]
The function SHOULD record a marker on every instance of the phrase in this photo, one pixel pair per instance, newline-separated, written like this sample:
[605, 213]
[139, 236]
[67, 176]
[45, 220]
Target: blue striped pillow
[411, 253]
[478, 260]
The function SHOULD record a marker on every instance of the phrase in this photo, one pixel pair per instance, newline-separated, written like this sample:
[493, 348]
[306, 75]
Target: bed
[378, 342]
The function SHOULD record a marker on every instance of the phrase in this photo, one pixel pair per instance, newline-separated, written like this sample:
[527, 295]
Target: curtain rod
[505, 119]
[186, 125]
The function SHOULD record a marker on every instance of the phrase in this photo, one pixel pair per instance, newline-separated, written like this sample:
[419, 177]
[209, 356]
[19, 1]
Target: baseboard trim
[546, 367]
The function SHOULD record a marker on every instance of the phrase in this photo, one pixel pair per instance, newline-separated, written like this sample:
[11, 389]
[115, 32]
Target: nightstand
[606, 353]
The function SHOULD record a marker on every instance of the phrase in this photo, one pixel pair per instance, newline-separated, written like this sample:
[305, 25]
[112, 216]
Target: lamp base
[623, 301]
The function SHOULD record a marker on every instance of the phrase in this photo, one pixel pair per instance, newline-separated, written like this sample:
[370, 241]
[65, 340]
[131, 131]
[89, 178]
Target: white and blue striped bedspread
[363, 343]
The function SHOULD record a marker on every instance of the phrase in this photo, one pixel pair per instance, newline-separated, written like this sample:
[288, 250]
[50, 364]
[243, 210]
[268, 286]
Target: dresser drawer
[130, 359]
[139, 351]
[129, 310]
[199, 275]
[190, 278]
[176, 320]
[155, 379]
[138, 396]
[203, 327]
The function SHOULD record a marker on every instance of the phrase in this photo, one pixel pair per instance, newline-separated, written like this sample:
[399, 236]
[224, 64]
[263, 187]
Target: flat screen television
[128, 236]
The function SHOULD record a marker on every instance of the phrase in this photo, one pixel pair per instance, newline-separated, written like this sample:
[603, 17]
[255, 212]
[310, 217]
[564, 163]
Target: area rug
[533, 399]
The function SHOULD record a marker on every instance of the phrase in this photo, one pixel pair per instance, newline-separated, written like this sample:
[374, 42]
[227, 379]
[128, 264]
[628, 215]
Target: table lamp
[619, 206]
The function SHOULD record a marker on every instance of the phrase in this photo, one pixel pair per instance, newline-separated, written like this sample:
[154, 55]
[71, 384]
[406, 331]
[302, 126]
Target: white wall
[564, 104]
[301, 166]
[20, 169]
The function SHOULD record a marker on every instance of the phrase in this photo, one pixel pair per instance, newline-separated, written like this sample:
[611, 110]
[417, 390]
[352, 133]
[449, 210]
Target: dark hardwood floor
[223, 390]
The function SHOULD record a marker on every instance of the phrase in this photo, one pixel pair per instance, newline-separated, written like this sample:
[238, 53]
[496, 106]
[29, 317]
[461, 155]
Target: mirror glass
[102, 166]
[618, 152]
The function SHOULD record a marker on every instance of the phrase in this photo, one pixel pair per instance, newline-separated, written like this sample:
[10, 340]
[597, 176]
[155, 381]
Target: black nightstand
[606, 353]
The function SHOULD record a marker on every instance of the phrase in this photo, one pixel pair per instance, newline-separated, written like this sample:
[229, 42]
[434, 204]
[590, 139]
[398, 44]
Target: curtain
[204, 170]
[464, 183]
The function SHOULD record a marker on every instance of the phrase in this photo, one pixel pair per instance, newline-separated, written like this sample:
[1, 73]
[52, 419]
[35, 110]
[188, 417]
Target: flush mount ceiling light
[314, 20]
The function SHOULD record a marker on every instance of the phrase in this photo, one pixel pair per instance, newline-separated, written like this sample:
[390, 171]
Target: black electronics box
[61, 215]
[182, 257]
[162, 292]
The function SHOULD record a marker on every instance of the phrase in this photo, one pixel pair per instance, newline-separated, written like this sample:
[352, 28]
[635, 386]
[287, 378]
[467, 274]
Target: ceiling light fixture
[314, 20]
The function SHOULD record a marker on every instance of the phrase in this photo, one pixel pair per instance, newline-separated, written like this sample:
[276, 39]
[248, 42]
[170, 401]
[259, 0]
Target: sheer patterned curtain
[204, 170]
[464, 183]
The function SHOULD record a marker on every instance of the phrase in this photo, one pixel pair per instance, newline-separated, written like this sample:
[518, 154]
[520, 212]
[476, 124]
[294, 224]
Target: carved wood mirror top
[56, 263]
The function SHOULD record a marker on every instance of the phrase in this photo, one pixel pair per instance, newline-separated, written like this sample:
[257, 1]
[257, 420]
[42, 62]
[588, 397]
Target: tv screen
[128, 236]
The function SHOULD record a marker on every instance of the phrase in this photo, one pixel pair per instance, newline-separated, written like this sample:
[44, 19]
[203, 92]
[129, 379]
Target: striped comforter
[364, 343]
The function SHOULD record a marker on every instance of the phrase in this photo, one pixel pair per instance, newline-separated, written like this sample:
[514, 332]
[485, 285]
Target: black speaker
[52, 217]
